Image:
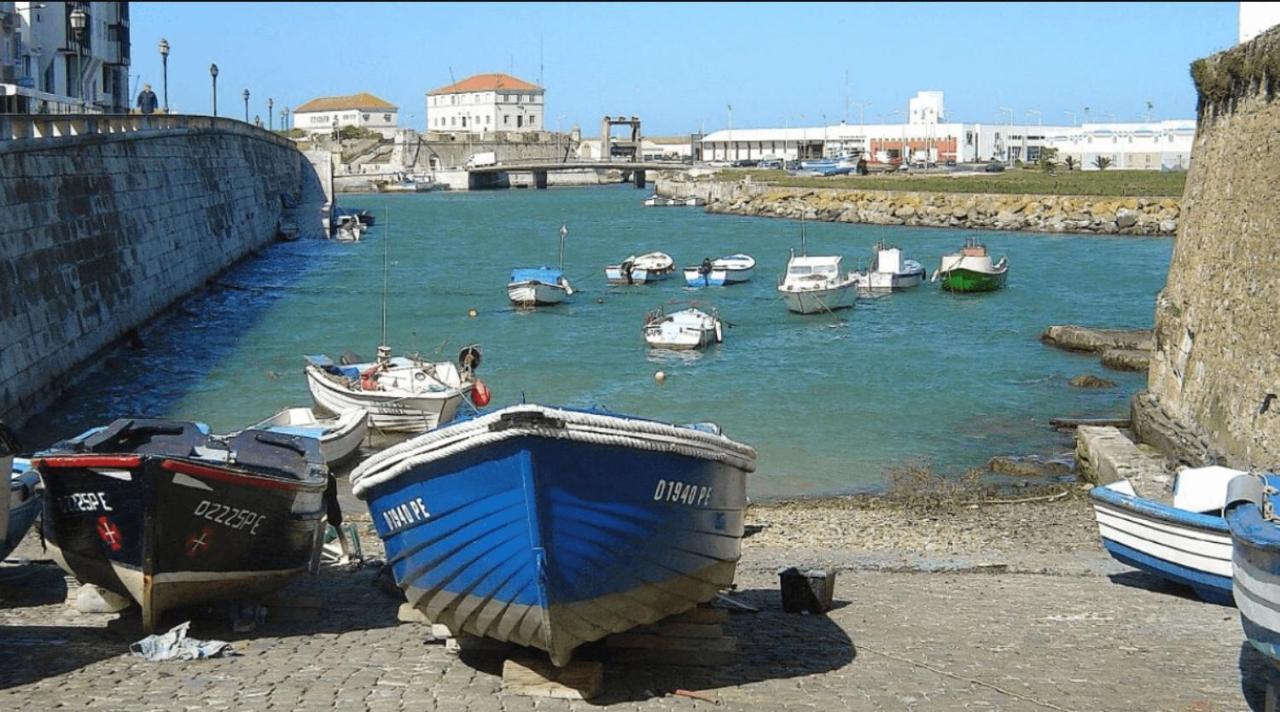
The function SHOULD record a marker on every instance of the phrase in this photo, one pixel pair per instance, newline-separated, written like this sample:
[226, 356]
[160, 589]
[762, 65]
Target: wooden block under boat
[537, 677]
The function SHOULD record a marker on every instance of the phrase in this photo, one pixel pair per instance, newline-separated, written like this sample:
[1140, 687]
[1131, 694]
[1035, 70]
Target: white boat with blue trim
[731, 269]
[1187, 542]
[682, 330]
[889, 272]
[643, 269]
[540, 286]
[1255, 545]
[340, 435]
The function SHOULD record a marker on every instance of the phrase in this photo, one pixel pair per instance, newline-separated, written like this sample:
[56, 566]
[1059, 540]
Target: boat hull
[22, 505]
[616, 276]
[885, 282]
[170, 534]
[522, 540]
[1184, 547]
[965, 280]
[816, 301]
[527, 294]
[387, 411]
[339, 436]
[1255, 550]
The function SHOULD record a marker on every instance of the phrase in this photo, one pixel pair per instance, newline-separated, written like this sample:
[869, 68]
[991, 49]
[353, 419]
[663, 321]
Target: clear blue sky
[678, 66]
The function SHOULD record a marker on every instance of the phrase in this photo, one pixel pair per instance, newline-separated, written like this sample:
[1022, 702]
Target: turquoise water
[829, 401]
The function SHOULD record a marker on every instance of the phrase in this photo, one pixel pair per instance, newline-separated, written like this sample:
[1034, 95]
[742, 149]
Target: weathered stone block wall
[1215, 374]
[98, 233]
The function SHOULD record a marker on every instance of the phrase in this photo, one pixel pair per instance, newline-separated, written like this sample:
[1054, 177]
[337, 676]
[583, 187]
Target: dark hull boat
[551, 528]
[162, 513]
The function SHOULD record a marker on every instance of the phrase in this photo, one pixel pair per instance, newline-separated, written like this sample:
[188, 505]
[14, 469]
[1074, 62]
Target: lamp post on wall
[78, 20]
[246, 106]
[164, 60]
[284, 118]
[270, 123]
[213, 72]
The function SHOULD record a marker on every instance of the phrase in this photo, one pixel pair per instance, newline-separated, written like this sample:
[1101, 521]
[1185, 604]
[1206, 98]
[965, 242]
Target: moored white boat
[502, 526]
[889, 272]
[813, 285]
[400, 394]
[1188, 547]
[340, 436]
[731, 269]
[659, 201]
[649, 267]
[538, 286]
[685, 329]
[1255, 549]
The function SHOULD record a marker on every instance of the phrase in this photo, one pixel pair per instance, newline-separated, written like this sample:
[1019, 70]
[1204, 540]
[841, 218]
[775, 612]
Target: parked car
[746, 163]
[994, 168]
[770, 164]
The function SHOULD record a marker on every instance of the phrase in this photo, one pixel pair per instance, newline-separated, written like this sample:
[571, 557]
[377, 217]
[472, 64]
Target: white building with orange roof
[487, 103]
[362, 110]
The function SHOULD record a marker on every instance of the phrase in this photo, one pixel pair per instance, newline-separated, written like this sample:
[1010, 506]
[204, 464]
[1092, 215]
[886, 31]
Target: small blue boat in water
[550, 527]
[21, 503]
[1255, 542]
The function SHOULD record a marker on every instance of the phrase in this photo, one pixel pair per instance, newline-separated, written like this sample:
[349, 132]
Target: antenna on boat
[564, 232]
[803, 249]
[384, 352]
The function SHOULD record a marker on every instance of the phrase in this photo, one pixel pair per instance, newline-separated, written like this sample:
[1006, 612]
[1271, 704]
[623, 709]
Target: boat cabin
[802, 267]
[888, 259]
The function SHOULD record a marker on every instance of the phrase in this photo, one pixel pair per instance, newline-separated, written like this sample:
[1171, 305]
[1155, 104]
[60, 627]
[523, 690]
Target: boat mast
[564, 232]
[804, 251]
[386, 239]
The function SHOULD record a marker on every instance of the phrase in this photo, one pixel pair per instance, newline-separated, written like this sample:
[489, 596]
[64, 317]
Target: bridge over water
[632, 171]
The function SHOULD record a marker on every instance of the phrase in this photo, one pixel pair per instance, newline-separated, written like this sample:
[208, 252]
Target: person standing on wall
[147, 100]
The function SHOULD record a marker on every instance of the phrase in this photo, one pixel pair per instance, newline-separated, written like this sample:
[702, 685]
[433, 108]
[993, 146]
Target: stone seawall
[1036, 213]
[100, 232]
[1214, 383]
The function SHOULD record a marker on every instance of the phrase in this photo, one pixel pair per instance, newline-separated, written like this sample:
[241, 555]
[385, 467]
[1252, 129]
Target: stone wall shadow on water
[176, 351]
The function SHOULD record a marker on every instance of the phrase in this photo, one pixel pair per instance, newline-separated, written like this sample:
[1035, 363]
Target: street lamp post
[824, 135]
[270, 104]
[246, 106]
[735, 150]
[78, 20]
[1008, 137]
[213, 72]
[284, 119]
[164, 60]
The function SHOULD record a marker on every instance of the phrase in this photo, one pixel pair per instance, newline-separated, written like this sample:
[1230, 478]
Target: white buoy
[660, 377]
[472, 312]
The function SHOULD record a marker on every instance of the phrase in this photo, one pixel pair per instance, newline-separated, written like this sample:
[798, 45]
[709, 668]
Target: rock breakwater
[988, 211]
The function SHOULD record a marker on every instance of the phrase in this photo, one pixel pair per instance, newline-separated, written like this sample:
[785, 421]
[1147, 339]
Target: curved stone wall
[105, 223]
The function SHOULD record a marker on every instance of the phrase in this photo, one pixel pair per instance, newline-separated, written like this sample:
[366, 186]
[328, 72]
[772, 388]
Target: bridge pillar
[540, 180]
[637, 177]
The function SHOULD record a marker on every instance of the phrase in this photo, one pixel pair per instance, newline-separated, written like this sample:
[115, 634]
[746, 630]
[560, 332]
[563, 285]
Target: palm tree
[1071, 162]
[1102, 163]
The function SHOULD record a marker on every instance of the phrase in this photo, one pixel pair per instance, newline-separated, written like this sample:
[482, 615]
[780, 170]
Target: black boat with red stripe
[164, 513]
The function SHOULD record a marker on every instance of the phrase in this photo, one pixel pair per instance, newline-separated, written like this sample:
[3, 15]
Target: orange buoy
[480, 394]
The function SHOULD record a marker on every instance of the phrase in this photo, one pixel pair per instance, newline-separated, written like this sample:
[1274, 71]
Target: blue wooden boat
[21, 503]
[1255, 543]
[1186, 547]
[550, 527]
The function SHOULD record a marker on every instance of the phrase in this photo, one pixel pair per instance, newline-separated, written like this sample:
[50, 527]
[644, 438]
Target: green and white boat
[971, 269]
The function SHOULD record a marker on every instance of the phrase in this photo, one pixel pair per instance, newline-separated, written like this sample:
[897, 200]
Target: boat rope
[540, 421]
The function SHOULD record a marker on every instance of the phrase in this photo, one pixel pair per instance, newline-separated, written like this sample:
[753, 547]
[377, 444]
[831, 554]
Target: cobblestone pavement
[976, 638]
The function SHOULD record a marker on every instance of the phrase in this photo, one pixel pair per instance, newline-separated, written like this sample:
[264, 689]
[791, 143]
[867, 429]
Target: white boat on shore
[732, 269]
[649, 267]
[400, 394]
[340, 436]
[889, 272]
[682, 330]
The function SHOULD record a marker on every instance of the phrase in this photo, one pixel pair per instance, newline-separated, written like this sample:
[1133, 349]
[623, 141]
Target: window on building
[486, 120]
[506, 120]
[519, 122]
[386, 117]
[365, 117]
[453, 121]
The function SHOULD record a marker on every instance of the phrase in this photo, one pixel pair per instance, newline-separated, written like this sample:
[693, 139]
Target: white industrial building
[363, 110]
[1153, 145]
[487, 103]
[64, 57]
[652, 148]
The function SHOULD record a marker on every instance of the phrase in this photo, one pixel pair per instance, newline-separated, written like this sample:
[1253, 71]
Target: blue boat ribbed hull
[1256, 572]
[552, 543]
